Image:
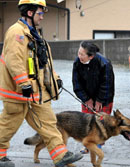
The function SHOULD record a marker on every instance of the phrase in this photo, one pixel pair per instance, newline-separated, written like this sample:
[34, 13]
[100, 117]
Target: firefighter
[27, 82]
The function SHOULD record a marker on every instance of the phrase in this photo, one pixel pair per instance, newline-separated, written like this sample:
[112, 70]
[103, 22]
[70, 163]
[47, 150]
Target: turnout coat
[14, 68]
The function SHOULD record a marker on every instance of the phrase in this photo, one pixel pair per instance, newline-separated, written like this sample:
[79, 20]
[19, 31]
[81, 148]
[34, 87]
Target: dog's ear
[126, 135]
[118, 117]
[117, 114]
[114, 112]
[117, 111]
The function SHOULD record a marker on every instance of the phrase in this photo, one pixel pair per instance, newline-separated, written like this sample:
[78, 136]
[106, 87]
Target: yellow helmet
[33, 2]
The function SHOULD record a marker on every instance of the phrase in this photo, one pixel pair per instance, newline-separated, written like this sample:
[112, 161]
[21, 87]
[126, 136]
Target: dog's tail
[34, 140]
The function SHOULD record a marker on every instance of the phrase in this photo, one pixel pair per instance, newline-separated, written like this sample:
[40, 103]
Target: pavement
[116, 149]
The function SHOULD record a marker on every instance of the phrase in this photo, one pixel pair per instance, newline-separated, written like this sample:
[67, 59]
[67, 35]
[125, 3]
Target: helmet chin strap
[32, 19]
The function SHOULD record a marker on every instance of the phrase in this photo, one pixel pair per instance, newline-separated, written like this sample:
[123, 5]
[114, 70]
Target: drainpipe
[68, 17]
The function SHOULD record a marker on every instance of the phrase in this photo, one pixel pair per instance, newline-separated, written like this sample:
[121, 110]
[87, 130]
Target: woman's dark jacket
[94, 80]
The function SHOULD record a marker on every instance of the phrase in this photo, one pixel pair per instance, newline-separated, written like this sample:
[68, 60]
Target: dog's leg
[100, 155]
[71, 165]
[93, 157]
[37, 150]
[65, 135]
[95, 150]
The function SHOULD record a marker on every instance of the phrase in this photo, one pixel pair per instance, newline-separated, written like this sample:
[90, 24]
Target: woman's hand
[98, 106]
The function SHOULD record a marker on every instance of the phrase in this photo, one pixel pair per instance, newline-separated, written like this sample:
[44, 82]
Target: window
[102, 34]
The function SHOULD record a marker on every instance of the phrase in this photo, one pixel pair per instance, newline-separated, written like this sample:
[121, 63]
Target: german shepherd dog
[88, 129]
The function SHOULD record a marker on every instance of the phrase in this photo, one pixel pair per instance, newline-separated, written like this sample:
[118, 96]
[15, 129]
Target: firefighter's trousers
[14, 114]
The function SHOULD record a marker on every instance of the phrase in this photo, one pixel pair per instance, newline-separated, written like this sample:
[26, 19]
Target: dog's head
[123, 123]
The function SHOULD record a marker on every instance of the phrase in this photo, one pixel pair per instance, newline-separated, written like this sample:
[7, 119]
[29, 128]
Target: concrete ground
[116, 149]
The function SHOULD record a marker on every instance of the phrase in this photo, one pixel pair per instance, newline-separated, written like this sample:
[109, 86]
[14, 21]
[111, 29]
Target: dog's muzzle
[126, 135]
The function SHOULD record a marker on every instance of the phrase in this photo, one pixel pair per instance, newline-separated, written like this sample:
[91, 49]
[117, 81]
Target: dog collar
[101, 117]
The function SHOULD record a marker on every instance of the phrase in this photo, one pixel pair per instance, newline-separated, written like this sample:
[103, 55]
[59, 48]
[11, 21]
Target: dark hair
[26, 7]
[90, 47]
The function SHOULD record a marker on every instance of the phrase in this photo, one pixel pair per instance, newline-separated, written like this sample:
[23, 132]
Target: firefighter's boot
[69, 158]
[6, 162]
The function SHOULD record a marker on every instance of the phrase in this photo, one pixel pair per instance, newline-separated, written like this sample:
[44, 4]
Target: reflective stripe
[21, 78]
[3, 152]
[18, 79]
[18, 96]
[2, 59]
[58, 150]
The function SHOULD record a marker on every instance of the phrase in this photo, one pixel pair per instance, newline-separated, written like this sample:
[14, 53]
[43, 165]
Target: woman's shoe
[84, 151]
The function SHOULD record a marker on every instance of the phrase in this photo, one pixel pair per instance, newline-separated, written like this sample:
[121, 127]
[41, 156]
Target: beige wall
[99, 15]
[53, 23]
[11, 15]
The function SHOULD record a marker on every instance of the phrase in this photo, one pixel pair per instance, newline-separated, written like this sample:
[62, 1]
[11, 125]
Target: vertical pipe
[68, 24]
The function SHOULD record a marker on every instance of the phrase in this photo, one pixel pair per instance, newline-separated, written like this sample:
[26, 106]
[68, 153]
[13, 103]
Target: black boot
[6, 162]
[69, 158]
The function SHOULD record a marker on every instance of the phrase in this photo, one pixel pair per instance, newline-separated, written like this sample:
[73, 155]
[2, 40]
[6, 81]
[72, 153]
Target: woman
[93, 79]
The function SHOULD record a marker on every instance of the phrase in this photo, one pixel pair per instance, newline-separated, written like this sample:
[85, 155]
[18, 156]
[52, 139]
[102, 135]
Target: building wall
[11, 15]
[99, 15]
[53, 23]
[117, 50]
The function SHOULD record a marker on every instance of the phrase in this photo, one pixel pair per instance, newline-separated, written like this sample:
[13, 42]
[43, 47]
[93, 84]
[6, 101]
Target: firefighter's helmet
[26, 3]
[33, 2]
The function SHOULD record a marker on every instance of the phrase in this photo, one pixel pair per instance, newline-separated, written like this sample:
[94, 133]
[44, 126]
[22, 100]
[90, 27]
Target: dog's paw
[97, 166]
[71, 165]
[36, 161]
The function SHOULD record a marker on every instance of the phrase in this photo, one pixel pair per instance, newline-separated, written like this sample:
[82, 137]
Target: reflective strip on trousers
[58, 150]
[3, 152]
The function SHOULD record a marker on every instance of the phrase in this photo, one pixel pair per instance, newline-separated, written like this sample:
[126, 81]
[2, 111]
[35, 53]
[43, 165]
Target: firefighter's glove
[59, 83]
[27, 90]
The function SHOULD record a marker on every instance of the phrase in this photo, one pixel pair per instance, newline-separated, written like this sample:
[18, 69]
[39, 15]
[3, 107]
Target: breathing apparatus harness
[40, 52]
[51, 70]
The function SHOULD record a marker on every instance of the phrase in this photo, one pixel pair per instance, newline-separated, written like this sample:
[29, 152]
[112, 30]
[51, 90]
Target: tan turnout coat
[15, 70]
